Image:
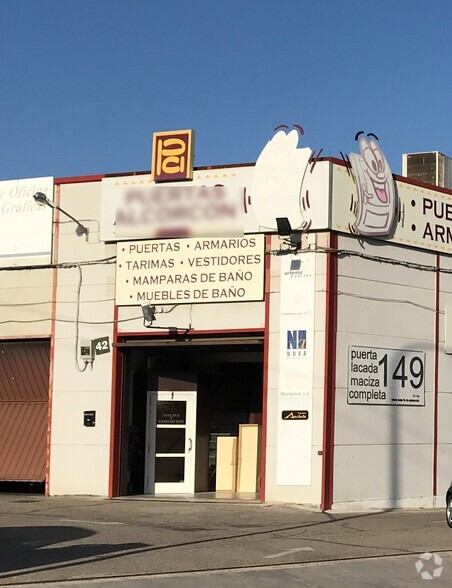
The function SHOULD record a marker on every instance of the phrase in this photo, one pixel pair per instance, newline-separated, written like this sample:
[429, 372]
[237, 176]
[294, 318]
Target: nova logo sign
[296, 343]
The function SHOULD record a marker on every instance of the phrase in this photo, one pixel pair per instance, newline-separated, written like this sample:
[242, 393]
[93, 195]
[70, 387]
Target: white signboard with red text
[215, 202]
[222, 201]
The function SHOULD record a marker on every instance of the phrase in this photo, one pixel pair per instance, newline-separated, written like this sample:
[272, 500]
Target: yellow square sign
[172, 156]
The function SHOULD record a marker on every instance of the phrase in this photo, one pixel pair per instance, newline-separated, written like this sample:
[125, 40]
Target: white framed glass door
[170, 442]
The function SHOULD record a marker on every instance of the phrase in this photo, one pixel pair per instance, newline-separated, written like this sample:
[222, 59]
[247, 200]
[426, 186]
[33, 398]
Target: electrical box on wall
[86, 350]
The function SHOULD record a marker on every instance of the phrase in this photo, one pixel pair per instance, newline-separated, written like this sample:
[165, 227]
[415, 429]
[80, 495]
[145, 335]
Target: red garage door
[24, 389]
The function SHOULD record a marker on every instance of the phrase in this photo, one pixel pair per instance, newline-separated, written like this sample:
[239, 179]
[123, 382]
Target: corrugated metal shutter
[24, 387]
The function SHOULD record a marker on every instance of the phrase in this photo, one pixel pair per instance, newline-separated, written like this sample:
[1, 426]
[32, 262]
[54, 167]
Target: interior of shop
[229, 387]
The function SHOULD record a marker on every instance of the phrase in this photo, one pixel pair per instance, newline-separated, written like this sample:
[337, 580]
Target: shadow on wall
[27, 549]
[411, 373]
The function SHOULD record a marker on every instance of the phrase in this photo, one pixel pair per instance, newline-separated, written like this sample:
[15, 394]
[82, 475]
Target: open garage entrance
[180, 402]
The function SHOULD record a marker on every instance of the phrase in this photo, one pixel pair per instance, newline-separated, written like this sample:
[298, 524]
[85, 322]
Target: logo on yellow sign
[172, 156]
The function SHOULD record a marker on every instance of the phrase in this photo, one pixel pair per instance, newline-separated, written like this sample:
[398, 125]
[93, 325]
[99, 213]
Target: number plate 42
[101, 345]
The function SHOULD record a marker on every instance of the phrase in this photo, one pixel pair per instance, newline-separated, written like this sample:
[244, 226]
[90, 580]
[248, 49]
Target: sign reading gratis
[187, 271]
[385, 376]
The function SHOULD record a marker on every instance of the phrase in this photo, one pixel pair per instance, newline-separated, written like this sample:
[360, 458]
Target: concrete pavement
[67, 539]
[390, 571]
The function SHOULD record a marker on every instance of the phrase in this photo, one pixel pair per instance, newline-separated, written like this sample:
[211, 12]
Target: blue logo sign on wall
[296, 343]
[296, 340]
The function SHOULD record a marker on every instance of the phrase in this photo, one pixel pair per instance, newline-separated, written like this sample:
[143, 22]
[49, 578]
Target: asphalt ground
[64, 539]
[388, 571]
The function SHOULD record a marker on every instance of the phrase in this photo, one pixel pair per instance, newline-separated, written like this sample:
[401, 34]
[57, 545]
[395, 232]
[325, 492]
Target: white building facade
[330, 343]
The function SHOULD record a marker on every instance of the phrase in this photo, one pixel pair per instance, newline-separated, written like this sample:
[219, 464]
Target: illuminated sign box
[172, 156]
[188, 271]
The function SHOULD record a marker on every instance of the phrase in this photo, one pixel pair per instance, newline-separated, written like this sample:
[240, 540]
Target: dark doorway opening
[229, 393]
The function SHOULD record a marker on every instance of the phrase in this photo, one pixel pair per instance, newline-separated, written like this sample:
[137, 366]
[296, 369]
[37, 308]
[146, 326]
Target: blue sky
[85, 83]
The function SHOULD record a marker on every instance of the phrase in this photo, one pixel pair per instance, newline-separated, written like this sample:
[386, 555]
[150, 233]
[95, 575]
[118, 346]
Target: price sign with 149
[385, 376]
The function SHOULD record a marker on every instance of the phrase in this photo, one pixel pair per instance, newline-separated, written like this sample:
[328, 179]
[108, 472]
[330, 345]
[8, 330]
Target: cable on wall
[63, 265]
[42, 302]
[57, 320]
[112, 260]
[367, 256]
[77, 317]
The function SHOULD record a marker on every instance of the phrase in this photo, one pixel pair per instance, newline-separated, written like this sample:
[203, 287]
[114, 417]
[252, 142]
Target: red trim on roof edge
[79, 179]
[335, 160]
[99, 177]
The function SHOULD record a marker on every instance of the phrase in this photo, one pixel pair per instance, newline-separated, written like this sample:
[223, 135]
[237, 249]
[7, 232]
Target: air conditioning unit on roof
[431, 167]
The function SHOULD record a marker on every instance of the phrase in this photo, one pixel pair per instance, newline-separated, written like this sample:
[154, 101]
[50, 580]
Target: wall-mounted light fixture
[148, 311]
[42, 200]
[285, 230]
